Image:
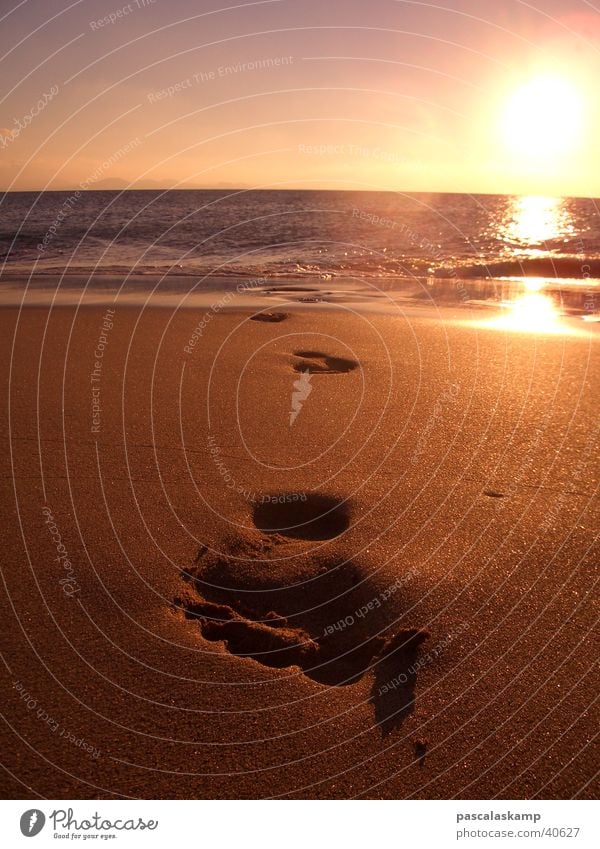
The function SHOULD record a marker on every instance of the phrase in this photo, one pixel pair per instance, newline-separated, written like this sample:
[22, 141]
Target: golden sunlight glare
[544, 118]
[532, 312]
[533, 220]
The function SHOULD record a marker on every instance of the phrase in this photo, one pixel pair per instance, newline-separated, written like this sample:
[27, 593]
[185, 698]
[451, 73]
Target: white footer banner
[301, 824]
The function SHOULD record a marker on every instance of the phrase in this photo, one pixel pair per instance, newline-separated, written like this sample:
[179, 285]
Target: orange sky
[388, 94]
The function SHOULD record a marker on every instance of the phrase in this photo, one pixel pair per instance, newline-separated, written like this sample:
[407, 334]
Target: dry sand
[411, 618]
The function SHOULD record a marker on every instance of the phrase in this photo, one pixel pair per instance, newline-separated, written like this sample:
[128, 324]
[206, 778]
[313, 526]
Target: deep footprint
[270, 642]
[313, 615]
[316, 362]
[273, 643]
[313, 517]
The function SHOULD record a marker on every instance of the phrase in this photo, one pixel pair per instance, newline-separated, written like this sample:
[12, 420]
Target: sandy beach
[329, 553]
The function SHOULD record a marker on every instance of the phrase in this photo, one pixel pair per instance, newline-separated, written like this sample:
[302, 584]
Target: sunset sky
[359, 94]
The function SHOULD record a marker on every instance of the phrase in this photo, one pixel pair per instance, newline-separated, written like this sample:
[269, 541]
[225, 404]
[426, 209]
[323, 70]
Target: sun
[543, 118]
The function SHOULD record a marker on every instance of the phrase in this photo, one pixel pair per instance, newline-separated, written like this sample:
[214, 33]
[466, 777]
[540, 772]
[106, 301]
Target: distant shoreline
[249, 189]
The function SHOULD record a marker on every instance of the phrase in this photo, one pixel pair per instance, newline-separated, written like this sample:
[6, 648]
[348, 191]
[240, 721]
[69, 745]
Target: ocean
[378, 238]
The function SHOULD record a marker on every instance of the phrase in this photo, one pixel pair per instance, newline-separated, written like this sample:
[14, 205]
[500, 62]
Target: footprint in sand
[317, 362]
[272, 642]
[302, 610]
[272, 317]
[310, 516]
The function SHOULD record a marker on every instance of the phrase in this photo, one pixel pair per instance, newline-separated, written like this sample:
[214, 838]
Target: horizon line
[244, 189]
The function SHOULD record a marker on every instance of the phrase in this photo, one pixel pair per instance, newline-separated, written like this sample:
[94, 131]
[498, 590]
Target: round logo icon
[32, 822]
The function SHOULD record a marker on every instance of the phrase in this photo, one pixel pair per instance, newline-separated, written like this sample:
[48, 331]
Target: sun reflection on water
[533, 220]
[539, 229]
[532, 312]
[529, 224]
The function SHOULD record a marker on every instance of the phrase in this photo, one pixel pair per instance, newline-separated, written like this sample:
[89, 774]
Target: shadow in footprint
[312, 517]
[272, 642]
[312, 614]
[283, 289]
[393, 692]
[316, 362]
[269, 316]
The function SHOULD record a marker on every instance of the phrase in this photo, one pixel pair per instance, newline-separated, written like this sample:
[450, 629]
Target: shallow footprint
[272, 317]
[310, 516]
[317, 362]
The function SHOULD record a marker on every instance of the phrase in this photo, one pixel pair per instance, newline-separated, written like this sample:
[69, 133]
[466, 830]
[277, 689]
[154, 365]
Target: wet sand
[330, 554]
